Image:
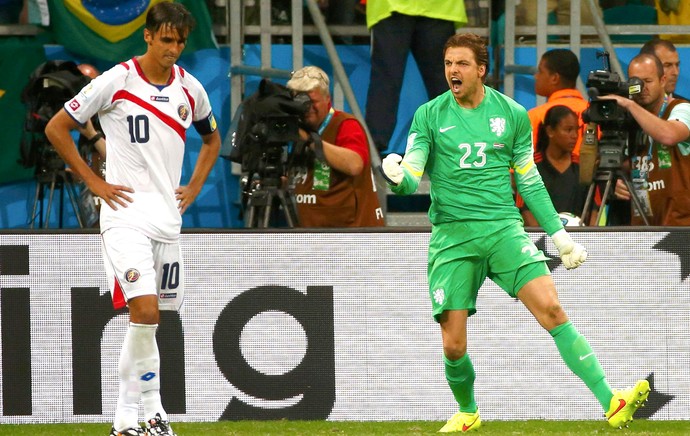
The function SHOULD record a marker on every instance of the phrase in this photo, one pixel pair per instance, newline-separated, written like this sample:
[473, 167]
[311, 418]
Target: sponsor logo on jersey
[162, 98]
[132, 275]
[74, 104]
[212, 121]
[168, 295]
[183, 111]
[445, 129]
[498, 145]
[498, 125]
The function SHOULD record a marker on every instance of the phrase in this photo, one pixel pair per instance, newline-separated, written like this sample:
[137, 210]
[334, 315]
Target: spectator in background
[399, 27]
[668, 55]
[673, 13]
[336, 188]
[526, 12]
[555, 79]
[556, 139]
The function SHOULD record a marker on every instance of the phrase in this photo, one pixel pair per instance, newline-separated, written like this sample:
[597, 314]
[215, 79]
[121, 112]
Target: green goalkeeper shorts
[462, 255]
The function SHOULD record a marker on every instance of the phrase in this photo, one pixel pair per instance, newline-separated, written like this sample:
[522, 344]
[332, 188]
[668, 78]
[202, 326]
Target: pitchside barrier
[337, 326]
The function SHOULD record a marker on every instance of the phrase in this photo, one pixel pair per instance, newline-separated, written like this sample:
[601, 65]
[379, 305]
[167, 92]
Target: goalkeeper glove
[390, 167]
[572, 254]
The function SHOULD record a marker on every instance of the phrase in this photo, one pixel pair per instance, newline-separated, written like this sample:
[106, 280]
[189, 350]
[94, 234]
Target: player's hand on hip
[185, 196]
[391, 169]
[572, 254]
[113, 195]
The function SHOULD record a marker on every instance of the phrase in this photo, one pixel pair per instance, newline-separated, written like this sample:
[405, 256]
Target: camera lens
[607, 109]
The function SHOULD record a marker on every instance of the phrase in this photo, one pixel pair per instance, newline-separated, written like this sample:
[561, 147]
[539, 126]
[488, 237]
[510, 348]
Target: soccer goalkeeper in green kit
[467, 140]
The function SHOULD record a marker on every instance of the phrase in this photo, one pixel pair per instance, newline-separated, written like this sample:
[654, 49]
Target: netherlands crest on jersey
[498, 125]
[183, 111]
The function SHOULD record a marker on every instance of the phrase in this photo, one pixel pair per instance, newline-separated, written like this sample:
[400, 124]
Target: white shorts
[137, 265]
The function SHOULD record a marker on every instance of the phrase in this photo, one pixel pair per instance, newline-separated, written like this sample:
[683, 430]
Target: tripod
[608, 178]
[262, 196]
[47, 181]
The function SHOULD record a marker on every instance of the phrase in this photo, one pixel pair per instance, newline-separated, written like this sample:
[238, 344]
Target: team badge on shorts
[132, 275]
[183, 111]
[439, 295]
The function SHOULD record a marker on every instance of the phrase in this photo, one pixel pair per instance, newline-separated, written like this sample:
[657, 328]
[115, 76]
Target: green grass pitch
[238, 428]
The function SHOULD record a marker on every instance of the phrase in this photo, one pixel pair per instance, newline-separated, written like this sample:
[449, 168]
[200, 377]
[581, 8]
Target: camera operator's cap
[308, 78]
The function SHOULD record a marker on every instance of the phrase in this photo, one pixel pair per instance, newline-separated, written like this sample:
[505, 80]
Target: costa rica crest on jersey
[132, 275]
[183, 111]
[498, 125]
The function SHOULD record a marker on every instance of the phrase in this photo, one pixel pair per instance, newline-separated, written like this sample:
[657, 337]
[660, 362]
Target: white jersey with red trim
[145, 128]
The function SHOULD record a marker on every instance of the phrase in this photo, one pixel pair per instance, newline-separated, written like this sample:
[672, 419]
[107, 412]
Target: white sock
[127, 411]
[147, 368]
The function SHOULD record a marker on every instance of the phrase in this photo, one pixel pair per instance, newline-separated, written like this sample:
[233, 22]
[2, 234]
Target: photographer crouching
[336, 189]
[660, 158]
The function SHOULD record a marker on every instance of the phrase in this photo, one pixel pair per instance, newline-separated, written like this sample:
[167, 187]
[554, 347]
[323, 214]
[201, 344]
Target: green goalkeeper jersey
[468, 154]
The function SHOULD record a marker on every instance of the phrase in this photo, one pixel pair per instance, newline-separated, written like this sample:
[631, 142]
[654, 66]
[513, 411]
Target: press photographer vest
[670, 205]
[349, 201]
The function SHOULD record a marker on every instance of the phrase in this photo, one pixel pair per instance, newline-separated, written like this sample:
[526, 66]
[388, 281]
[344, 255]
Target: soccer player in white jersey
[145, 106]
[467, 140]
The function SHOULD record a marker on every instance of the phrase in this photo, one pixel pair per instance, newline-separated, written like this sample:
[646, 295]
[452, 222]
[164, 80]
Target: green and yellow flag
[112, 31]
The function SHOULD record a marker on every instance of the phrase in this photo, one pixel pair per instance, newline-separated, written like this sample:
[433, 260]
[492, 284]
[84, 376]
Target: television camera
[267, 145]
[50, 85]
[614, 122]
[616, 126]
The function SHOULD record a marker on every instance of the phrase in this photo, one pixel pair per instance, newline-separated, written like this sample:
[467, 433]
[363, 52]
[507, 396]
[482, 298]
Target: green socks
[575, 351]
[580, 358]
[460, 376]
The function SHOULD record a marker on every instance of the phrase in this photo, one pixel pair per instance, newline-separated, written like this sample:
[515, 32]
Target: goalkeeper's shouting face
[465, 68]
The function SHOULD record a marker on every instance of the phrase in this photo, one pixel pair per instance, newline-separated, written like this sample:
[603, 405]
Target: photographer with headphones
[660, 160]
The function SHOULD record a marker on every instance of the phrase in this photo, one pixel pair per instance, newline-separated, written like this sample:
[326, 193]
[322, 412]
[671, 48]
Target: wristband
[92, 141]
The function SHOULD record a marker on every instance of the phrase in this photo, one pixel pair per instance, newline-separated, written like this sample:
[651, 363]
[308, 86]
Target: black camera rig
[616, 127]
[50, 86]
[266, 143]
[614, 122]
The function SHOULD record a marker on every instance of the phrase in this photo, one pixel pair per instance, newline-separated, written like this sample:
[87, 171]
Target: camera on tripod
[616, 127]
[265, 124]
[49, 87]
[266, 142]
[614, 121]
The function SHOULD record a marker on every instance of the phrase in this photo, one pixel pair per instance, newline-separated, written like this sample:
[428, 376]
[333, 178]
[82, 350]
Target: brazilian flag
[112, 30]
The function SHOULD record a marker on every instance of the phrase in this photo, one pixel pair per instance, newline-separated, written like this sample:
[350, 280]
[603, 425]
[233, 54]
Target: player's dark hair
[170, 14]
[473, 42]
[650, 46]
[565, 63]
[640, 58]
[551, 119]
